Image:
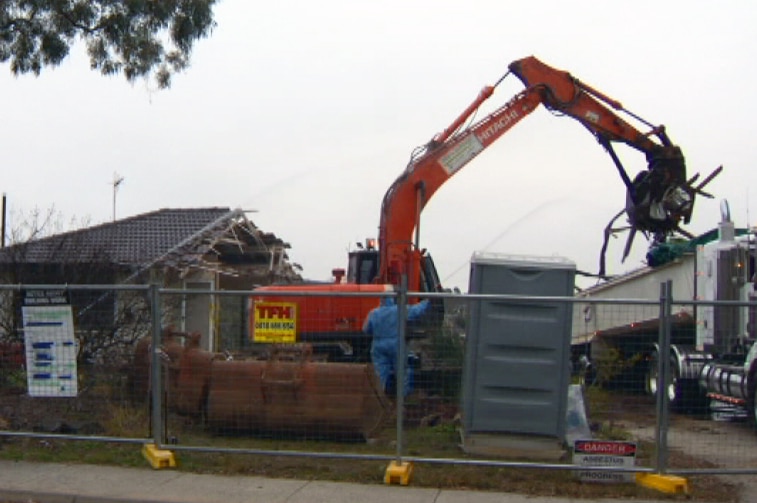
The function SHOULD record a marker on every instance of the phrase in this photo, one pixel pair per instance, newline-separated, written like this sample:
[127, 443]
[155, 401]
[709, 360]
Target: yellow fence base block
[398, 473]
[158, 458]
[669, 484]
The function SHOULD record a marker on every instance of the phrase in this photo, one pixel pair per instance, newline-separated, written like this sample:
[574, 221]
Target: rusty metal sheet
[319, 398]
[288, 392]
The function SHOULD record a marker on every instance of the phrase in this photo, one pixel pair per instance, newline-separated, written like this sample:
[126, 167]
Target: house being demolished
[192, 248]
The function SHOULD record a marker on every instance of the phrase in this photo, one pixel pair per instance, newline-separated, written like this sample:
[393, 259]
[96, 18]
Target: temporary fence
[559, 383]
[65, 359]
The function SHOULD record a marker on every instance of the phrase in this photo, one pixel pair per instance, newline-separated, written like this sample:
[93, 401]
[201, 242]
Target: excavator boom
[445, 155]
[658, 198]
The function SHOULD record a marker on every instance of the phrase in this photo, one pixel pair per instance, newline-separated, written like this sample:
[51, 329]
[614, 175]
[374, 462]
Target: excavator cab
[363, 263]
[430, 281]
[363, 267]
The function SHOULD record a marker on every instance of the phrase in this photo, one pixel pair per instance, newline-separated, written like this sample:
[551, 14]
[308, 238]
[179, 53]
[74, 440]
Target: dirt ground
[724, 444]
[697, 442]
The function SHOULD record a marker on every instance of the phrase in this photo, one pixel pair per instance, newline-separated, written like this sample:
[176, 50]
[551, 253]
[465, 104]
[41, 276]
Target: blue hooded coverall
[383, 324]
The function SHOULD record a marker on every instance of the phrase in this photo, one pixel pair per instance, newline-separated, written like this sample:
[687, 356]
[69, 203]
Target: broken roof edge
[121, 221]
[186, 248]
[69, 235]
[197, 236]
[237, 215]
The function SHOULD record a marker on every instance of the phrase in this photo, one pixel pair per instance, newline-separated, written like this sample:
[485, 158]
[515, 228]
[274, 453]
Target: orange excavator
[659, 200]
[294, 388]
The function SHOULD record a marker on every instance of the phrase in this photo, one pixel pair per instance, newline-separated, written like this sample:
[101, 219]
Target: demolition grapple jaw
[660, 198]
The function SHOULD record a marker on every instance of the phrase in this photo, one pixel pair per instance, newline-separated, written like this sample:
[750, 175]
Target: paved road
[22, 481]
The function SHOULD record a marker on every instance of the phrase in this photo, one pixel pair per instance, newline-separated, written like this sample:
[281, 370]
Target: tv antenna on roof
[117, 179]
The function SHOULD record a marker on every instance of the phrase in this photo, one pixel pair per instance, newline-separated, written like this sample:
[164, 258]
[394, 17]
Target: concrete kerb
[69, 483]
[44, 497]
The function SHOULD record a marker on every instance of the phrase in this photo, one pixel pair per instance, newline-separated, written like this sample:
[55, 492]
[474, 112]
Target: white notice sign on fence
[50, 345]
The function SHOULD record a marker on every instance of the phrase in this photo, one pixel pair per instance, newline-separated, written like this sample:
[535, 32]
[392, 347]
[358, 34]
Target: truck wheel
[587, 379]
[587, 374]
[673, 388]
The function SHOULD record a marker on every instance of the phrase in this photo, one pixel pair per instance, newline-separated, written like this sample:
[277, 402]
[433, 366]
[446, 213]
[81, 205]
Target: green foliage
[612, 364]
[609, 430]
[442, 353]
[448, 348]
[124, 421]
[140, 38]
[442, 439]
[12, 379]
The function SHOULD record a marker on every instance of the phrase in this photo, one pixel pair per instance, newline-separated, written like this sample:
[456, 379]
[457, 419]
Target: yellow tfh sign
[275, 322]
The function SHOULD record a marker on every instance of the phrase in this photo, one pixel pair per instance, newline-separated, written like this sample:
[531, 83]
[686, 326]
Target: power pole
[117, 179]
[2, 238]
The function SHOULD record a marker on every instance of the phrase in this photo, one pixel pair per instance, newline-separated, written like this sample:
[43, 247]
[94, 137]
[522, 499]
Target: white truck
[713, 327]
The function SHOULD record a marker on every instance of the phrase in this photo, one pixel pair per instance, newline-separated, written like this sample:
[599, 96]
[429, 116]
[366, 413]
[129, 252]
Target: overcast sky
[305, 112]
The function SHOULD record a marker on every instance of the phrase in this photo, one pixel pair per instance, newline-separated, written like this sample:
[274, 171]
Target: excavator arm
[658, 198]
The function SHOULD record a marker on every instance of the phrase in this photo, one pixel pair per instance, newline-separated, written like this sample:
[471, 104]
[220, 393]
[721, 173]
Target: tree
[141, 38]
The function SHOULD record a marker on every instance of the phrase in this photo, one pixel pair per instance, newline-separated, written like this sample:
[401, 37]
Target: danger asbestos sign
[607, 454]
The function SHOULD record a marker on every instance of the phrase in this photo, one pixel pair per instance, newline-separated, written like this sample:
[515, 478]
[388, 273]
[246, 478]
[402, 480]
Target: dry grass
[440, 440]
[437, 441]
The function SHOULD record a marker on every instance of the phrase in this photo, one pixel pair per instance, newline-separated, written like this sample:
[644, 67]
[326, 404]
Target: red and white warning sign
[607, 454]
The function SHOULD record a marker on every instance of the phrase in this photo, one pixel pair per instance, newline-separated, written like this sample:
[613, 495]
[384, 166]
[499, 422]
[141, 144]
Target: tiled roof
[134, 241]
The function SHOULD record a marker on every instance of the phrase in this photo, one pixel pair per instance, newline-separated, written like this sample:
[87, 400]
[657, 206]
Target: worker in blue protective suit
[382, 323]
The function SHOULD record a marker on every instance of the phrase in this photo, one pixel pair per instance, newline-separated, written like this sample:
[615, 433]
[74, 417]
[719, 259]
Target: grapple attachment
[660, 198]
